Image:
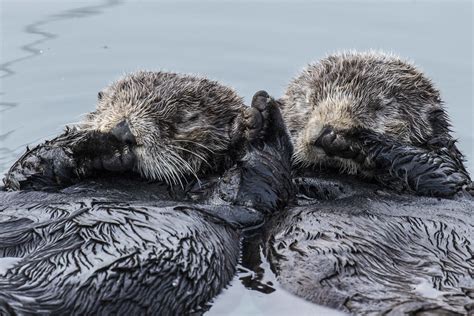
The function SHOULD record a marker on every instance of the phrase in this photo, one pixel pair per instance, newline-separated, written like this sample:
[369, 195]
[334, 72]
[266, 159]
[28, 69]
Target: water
[56, 56]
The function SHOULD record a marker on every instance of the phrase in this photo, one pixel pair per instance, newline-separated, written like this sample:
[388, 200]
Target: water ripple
[32, 50]
[35, 28]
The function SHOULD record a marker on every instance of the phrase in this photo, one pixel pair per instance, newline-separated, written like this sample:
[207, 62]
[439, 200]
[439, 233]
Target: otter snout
[123, 133]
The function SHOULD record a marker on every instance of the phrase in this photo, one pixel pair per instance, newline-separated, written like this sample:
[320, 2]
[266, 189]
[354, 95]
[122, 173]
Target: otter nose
[122, 132]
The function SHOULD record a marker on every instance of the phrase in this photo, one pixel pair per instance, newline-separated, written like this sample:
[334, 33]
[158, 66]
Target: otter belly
[106, 249]
[365, 251]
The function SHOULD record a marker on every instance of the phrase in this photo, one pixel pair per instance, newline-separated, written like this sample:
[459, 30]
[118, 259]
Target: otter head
[325, 138]
[176, 125]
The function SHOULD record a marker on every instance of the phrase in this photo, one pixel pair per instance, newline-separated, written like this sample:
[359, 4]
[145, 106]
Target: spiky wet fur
[370, 90]
[182, 123]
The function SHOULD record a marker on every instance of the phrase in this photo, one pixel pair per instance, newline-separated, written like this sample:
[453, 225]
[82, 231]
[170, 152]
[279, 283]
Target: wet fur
[118, 244]
[366, 251]
[182, 123]
[107, 250]
[374, 92]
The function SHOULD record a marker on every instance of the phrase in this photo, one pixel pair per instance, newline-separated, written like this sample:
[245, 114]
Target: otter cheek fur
[176, 125]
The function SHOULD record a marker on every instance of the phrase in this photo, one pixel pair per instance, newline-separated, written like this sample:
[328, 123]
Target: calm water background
[56, 56]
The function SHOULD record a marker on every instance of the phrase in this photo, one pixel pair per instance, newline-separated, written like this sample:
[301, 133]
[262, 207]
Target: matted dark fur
[365, 250]
[335, 105]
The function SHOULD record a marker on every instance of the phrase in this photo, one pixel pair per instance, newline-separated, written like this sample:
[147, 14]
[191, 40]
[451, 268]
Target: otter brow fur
[372, 91]
[181, 123]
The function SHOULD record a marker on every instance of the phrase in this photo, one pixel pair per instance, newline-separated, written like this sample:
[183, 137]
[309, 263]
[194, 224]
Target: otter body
[119, 244]
[93, 249]
[108, 248]
[364, 250]
[353, 110]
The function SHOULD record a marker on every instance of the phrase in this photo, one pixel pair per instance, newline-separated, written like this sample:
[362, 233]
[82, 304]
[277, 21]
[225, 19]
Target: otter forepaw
[426, 172]
[116, 161]
[340, 145]
[103, 151]
[266, 165]
[438, 176]
[42, 168]
[264, 121]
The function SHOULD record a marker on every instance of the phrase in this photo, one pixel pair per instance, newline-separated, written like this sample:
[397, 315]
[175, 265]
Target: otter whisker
[186, 165]
[172, 170]
[179, 164]
[163, 173]
[193, 153]
[175, 170]
[195, 143]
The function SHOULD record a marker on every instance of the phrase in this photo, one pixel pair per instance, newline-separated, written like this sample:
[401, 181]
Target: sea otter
[119, 243]
[375, 115]
[165, 126]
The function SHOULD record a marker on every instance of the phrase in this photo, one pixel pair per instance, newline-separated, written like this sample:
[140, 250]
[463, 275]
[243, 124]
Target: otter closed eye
[351, 110]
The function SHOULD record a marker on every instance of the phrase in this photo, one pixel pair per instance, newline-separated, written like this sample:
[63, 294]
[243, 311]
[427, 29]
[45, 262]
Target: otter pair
[121, 245]
[365, 113]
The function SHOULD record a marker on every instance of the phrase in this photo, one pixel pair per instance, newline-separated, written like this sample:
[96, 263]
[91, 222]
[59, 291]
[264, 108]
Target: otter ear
[100, 94]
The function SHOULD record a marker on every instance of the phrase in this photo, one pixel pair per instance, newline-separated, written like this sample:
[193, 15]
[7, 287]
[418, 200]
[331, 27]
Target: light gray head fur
[370, 90]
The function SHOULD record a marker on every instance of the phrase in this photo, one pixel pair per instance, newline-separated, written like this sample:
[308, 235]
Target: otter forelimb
[67, 159]
[427, 172]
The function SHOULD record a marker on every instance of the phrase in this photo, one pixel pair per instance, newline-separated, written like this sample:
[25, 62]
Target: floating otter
[376, 115]
[119, 244]
[165, 126]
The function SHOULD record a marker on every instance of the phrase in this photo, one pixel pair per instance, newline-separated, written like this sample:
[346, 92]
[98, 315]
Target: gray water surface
[56, 56]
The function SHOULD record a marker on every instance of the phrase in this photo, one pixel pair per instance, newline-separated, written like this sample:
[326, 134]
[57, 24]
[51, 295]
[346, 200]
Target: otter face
[176, 125]
[326, 136]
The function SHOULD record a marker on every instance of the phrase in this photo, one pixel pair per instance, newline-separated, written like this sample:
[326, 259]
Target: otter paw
[104, 151]
[340, 145]
[438, 177]
[118, 160]
[42, 168]
[264, 121]
[265, 168]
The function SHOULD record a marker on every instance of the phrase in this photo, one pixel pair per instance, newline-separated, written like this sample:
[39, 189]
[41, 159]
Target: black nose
[122, 132]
